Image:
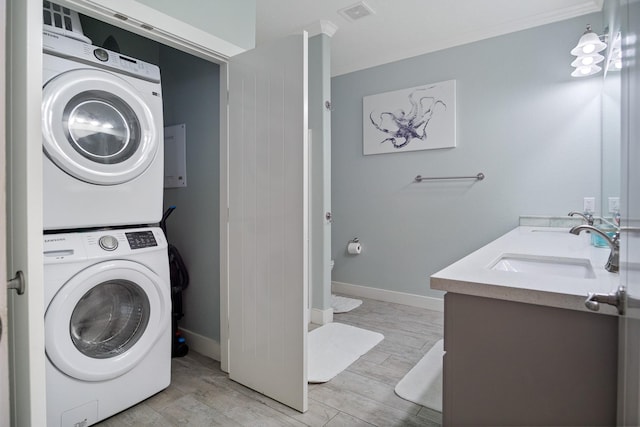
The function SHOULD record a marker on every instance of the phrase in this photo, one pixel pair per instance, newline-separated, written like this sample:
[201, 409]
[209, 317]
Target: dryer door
[97, 128]
[105, 319]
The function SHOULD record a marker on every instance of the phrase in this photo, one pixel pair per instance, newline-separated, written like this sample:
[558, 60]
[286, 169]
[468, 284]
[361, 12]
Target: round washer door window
[97, 128]
[106, 319]
[109, 319]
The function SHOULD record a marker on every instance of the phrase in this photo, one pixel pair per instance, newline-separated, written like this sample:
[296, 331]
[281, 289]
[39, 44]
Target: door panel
[268, 228]
[24, 212]
[629, 363]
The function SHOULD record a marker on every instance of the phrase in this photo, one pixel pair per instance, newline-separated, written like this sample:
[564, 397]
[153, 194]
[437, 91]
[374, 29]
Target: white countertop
[472, 275]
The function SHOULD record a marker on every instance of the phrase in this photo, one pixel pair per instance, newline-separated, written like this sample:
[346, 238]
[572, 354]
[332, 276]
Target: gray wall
[521, 119]
[191, 95]
[320, 169]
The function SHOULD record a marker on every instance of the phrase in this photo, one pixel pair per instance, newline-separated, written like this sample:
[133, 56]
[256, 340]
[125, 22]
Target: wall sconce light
[615, 58]
[587, 53]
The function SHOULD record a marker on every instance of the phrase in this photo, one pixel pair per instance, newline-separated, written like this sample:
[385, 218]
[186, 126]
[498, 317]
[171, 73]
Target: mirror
[611, 132]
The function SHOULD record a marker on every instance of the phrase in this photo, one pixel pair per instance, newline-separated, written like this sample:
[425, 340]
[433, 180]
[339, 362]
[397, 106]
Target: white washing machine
[107, 322]
[102, 133]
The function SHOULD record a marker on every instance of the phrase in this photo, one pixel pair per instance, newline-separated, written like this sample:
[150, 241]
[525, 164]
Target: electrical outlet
[589, 205]
[614, 204]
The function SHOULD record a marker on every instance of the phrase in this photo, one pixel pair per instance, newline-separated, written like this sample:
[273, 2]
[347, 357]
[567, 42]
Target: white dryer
[102, 133]
[107, 322]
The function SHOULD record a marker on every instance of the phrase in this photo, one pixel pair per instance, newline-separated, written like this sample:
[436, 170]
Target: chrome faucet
[587, 217]
[613, 262]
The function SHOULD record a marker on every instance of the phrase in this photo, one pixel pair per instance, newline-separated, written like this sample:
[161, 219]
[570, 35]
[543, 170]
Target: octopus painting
[412, 119]
[403, 127]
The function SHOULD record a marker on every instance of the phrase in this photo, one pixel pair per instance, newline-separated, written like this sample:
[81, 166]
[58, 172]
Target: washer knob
[108, 243]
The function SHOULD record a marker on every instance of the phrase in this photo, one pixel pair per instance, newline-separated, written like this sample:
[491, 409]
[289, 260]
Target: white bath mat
[423, 383]
[335, 346]
[342, 304]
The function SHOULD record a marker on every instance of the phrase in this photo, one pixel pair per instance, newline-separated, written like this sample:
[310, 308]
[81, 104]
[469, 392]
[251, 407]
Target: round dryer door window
[101, 127]
[105, 319]
[97, 127]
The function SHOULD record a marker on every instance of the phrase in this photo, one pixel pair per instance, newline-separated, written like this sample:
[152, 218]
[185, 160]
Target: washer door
[105, 319]
[96, 127]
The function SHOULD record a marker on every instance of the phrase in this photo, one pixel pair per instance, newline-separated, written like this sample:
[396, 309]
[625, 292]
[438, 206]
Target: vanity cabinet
[514, 363]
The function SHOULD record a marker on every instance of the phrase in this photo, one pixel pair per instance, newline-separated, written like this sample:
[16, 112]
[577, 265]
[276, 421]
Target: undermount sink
[545, 265]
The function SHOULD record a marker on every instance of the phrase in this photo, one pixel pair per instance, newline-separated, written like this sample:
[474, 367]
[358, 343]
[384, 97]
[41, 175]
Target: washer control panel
[141, 239]
[108, 242]
[102, 244]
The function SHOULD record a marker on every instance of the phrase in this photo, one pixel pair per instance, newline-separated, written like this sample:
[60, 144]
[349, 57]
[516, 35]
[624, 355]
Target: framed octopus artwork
[418, 118]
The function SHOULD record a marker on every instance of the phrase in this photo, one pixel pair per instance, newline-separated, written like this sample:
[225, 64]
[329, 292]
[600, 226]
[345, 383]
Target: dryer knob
[101, 55]
[108, 243]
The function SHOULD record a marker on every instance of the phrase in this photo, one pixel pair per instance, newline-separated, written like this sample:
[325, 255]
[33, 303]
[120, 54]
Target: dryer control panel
[64, 47]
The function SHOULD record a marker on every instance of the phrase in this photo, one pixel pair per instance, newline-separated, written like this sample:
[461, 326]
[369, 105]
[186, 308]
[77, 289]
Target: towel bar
[421, 178]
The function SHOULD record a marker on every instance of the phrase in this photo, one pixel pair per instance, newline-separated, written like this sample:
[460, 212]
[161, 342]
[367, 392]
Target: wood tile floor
[201, 394]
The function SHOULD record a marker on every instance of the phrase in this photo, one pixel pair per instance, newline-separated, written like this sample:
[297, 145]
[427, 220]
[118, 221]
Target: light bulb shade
[587, 60]
[587, 70]
[588, 44]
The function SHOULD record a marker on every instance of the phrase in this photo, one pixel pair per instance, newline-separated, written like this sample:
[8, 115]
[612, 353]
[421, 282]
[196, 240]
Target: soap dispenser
[607, 228]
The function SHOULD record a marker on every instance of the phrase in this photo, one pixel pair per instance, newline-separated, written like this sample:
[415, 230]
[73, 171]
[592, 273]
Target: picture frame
[412, 119]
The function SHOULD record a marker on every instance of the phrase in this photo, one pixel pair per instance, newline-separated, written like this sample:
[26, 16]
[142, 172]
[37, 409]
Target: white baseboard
[429, 303]
[203, 345]
[211, 348]
[321, 317]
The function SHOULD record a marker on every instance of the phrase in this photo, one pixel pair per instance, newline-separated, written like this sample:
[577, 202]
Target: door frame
[4, 348]
[177, 35]
[224, 217]
[629, 343]
[24, 211]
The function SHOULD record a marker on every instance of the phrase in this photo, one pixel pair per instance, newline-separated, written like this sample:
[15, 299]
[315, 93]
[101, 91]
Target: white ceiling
[404, 28]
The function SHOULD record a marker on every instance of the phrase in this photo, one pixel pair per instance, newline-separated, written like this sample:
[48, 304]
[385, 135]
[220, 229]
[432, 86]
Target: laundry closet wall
[192, 96]
[190, 91]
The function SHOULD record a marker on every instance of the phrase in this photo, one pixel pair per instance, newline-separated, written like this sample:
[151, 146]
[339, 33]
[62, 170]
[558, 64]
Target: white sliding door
[267, 225]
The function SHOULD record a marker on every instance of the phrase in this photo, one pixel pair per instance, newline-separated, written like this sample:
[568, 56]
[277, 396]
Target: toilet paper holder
[354, 247]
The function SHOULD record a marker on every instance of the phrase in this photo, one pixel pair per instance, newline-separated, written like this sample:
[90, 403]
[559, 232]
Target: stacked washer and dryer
[106, 271]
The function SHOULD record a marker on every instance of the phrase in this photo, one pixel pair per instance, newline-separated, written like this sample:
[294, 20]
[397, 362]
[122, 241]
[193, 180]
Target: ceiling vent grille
[356, 11]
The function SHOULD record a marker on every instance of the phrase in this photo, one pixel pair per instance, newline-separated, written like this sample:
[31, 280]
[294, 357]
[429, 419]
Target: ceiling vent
[356, 11]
